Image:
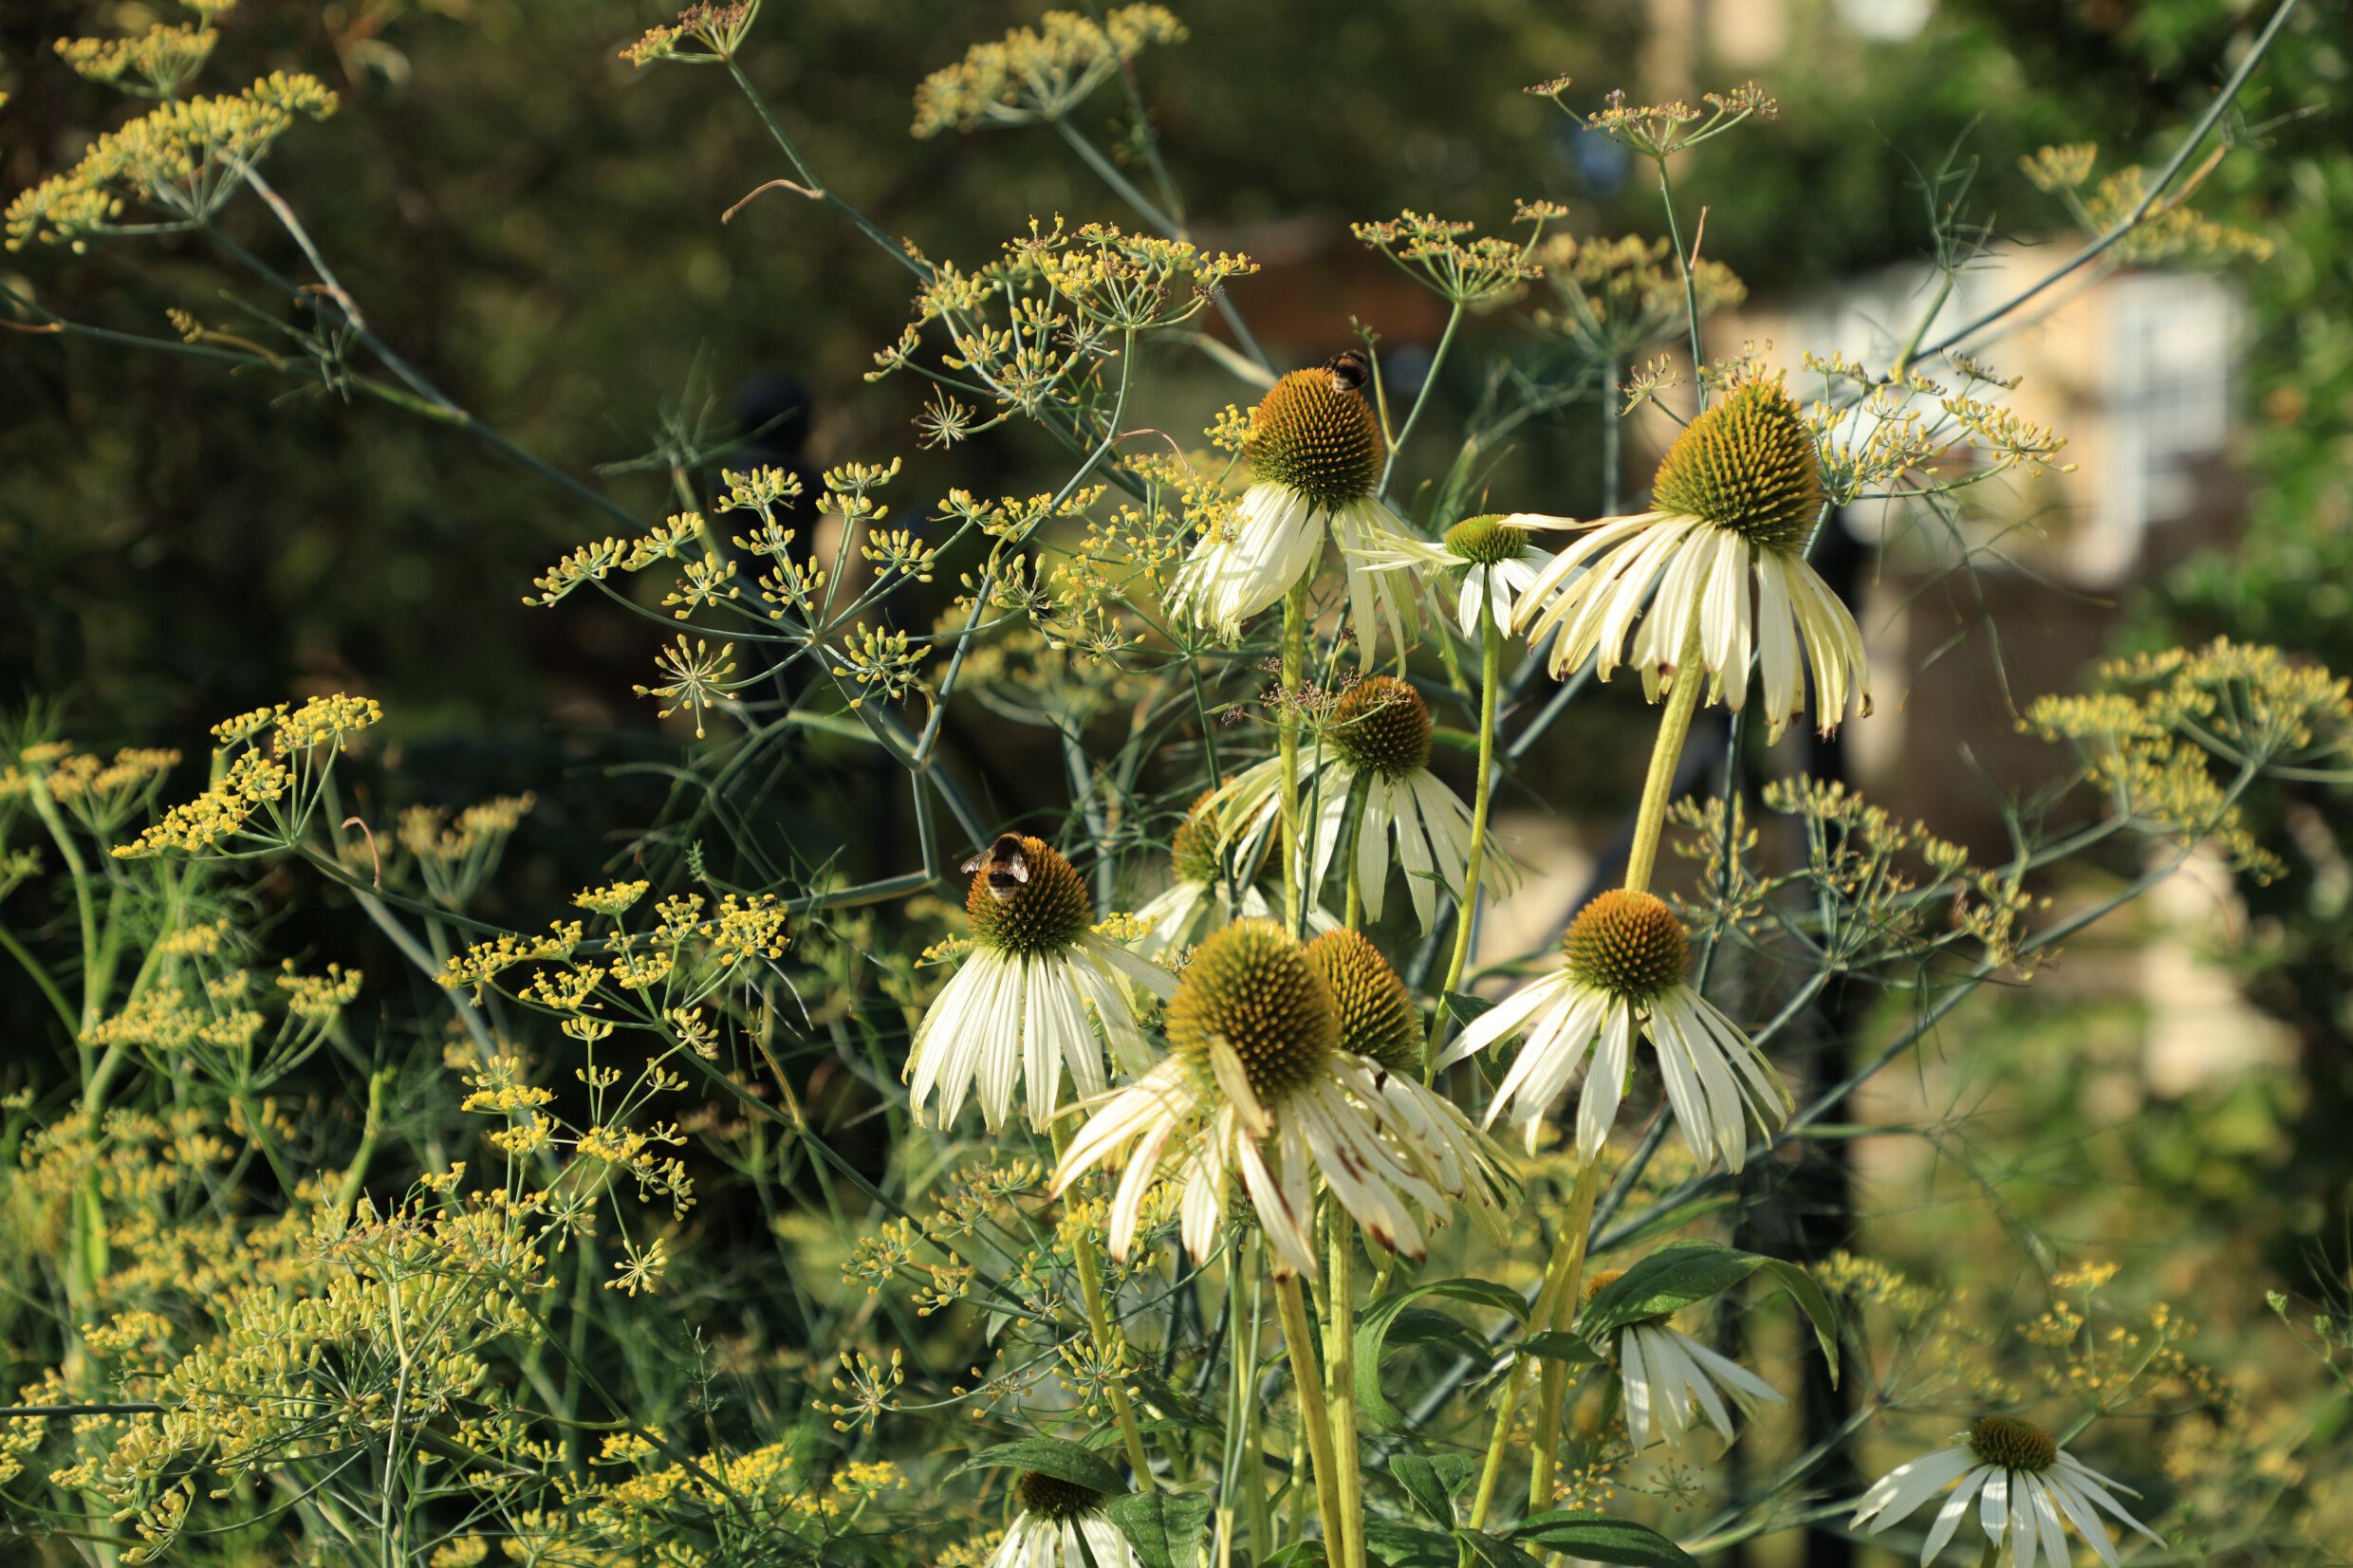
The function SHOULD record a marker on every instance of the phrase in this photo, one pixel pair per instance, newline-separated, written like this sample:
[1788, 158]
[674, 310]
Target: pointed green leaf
[1555, 1346]
[1373, 1323]
[1165, 1528]
[1602, 1538]
[1494, 1551]
[1816, 1306]
[1667, 1280]
[1395, 1545]
[1049, 1456]
[1419, 1480]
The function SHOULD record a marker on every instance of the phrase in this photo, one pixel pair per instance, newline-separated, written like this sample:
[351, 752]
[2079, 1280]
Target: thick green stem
[1491, 683]
[1340, 1385]
[1099, 1324]
[1568, 1251]
[1294, 673]
[1314, 1418]
[1552, 1383]
[1673, 727]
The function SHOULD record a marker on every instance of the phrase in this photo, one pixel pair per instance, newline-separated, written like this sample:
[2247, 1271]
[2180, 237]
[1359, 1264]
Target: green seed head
[1376, 1018]
[1251, 985]
[1627, 944]
[1051, 1497]
[1383, 724]
[1485, 541]
[1044, 913]
[1747, 464]
[1193, 853]
[2012, 1444]
[1317, 438]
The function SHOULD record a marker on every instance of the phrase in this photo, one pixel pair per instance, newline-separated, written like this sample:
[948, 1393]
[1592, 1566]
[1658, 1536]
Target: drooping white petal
[1948, 1516]
[1893, 1496]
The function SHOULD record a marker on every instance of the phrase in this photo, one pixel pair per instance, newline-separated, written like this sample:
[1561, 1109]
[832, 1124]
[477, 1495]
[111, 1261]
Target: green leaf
[1462, 1006]
[1422, 1326]
[1419, 1480]
[1372, 1331]
[1816, 1306]
[1602, 1538]
[1165, 1528]
[1555, 1346]
[1494, 1551]
[1048, 1456]
[1395, 1545]
[1667, 1280]
[1308, 1553]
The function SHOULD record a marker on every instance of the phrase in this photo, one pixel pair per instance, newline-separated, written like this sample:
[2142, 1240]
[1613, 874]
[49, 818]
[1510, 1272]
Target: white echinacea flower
[1492, 556]
[1665, 1372]
[1055, 1514]
[1019, 1006]
[1737, 498]
[1626, 954]
[2022, 1480]
[1199, 898]
[1377, 737]
[1256, 1082]
[1316, 454]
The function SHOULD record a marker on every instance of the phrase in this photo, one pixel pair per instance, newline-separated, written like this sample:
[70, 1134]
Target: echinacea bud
[1376, 1017]
[1051, 1497]
[1748, 464]
[1628, 944]
[1252, 986]
[1486, 541]
[2012, 1444]
[1044, 913]
[1383, 724]
[1192, 852]
[1317, 439]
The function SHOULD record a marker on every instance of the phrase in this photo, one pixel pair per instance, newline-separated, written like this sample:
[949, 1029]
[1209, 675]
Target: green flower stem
[1673, 727]
[1421, 398]
[1491, 682]
[1691, 287]
[1568, 1254]
[1295, 672]
[1552, 1383]
[1099, 1324]
[1610, 438]
[1340, 1385]
[1314, 1419]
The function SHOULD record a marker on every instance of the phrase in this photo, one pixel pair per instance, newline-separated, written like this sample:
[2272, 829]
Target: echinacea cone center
[1748, 464]
[1376, 1017]
[1251, 987]
[1051, 1497]
[1628, 944]
[1383, 724]
[1486, 541]
[2012, 1444]
[1317, 439]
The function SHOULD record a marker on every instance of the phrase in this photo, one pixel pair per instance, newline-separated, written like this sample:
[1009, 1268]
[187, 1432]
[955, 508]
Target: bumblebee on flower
[1316, 454]
[1019, 1006]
